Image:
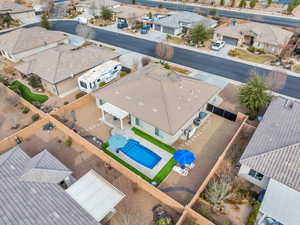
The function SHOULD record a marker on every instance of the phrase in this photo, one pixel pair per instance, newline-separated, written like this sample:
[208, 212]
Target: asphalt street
[275, 20]
[211, 64]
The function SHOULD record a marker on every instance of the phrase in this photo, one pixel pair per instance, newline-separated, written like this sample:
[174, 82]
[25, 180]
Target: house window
[256, 175]
[138, 122]
[158, 132]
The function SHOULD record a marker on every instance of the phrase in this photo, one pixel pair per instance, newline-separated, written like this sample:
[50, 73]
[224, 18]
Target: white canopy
[114, 110]
[96, 195]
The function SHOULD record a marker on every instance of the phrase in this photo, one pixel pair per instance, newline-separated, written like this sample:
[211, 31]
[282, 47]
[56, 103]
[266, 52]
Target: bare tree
[145, 61]
[164, 51]
[276, 79]
[85, 31]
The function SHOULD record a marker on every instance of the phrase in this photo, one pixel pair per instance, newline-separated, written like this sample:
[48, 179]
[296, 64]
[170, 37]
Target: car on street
[218, 45]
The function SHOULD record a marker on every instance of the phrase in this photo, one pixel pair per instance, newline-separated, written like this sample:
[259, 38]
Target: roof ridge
[56, 69]
[267, 153]
[165, 104]
[18, 31]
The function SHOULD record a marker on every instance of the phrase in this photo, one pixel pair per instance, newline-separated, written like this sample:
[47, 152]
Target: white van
[105, 72]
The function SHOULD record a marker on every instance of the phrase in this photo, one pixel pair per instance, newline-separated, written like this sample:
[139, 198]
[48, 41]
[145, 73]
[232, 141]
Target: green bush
[102, 84]
[66, 103]
[79, 95]
[25, 110]
[260, 51]
[252, 218]
[68, 142]
[167, 66]
[252, 49]
[123, 73]
[164, 221]
[35, 117]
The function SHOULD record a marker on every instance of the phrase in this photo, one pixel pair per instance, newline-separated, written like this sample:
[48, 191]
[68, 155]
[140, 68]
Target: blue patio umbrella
[184, 157]
[117, 141]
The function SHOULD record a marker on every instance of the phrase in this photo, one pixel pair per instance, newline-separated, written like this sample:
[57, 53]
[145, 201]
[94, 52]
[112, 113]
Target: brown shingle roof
[25, 39]
[159, 96]
[274, 149]
[12, 7]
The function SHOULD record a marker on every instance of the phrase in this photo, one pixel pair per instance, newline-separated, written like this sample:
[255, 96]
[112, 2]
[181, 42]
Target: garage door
[168, 30]
[157, 27]
[231, 41]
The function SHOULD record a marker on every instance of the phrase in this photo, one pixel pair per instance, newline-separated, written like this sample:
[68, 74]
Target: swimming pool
[139, 153]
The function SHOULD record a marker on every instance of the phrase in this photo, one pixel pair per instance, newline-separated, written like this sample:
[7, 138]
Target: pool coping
[151, 173]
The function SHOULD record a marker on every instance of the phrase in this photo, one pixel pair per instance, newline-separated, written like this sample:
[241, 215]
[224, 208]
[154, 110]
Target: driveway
[223, 52]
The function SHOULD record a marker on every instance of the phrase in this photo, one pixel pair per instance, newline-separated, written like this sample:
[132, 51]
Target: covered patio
[115, 117]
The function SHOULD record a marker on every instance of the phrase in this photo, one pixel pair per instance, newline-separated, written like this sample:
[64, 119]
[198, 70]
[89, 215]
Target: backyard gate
[221, 112]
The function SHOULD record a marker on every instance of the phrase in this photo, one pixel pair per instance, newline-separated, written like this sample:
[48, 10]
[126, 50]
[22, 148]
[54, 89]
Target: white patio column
[103, 114]
[121, 120]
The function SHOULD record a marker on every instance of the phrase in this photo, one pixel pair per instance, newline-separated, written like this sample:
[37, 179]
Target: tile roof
[25, 39]
[159, 96]
[128, 12]
[35, 203]
[12, 7]
[265, 33]
[188, 18]
[57, 64]
[274, 149]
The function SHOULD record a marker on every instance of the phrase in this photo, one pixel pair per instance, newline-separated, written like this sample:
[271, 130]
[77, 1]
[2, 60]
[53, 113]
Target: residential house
[17, 11]
[25, 42]
[271, 39]
[181, 22]
[157, 101]
[129, 15]
[60, 67]
[271, 161]
[33, 192]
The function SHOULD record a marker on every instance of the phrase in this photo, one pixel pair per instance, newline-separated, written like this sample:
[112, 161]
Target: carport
[96, 195]
[230, 40]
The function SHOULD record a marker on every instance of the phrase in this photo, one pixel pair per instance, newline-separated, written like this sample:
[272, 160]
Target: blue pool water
[139, 153]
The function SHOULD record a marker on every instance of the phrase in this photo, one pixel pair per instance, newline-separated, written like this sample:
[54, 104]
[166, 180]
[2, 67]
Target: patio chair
[182, 172]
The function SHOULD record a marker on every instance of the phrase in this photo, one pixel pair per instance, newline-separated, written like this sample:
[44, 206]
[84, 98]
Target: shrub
[79, 95]
[168, 37]
[25, 110]
[68, 142]
[260, 51]
[35, 82]
[122, 73]
[233, 52]
[35, 117]
[105, 145]
[252, 218]
[167, 66]
[164, 221]
[66, 103]
[252, 49]
[212, 12]
[102, 84]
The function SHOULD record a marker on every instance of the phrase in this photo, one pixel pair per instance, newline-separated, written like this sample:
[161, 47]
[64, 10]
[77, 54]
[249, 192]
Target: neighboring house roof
[25, 39]
[296, 11]
[12, 7]
[263, 33]
[187, 19]
[128, 12]
[57, 64]
[274, 149]
[32, 202]
[159, 96]
[281, 203]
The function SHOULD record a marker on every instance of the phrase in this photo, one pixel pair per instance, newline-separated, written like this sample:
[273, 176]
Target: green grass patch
[153, 140]
[163, 173]
[27, 94]
[248, 56]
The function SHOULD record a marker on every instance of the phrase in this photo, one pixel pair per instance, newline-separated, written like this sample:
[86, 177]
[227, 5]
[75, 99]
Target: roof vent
[289, 104]
[141, 103]
[128, 97]
[154, 110]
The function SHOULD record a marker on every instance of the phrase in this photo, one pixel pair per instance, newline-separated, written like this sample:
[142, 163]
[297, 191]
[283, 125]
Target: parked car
[145, 29]
[218, 45]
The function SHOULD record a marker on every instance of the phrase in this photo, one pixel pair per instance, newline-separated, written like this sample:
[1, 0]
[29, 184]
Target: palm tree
[254, 95]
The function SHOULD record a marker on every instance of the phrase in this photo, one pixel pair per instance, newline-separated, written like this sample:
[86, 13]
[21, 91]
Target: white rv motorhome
[105, 72]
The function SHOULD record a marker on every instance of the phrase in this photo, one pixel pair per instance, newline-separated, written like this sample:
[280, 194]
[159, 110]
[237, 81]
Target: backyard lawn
[163, 173]
[248, 56]
[26, 93]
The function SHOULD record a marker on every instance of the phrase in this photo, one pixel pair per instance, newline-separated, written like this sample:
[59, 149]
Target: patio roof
[97, 196]
[114, 110]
